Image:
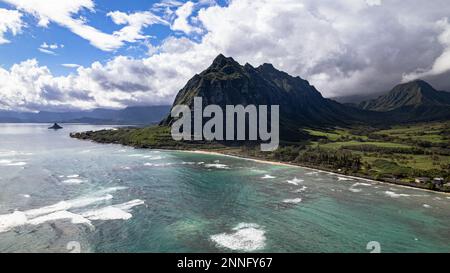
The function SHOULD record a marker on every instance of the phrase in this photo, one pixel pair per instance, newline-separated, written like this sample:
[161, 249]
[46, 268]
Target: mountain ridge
[132, 115]
[415, 93]
[226, 82]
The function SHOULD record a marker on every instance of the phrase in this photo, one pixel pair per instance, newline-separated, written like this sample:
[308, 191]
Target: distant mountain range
[137, 115]
[412, 101]
[413, 94]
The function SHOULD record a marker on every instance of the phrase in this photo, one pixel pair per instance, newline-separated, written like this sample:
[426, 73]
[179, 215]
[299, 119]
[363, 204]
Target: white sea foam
[151, 157]
[21, 163]
[25, 195]
[136, 155]
[267, 176]
[60, 215]
[148, 164]
[5, 162]
[74, 181]
[354, 189]
[395, 195]
[312, 173]
[14, 153]
[67, 205]
[73, 176]
[107, 213]
[130, 204]
[61, 210]
[10, 221]
[246, 237]
[426, 206]
[341, 178]
[188, 163]
[7, 153]
[115, 212]
[295, 181]
[217, 166]
[292, 201]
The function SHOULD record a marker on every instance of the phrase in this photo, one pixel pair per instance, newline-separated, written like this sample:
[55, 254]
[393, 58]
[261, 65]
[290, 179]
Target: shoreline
[277, 163]
[198, 150]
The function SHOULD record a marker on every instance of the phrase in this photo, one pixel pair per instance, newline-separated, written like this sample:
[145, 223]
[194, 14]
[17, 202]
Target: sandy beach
[308, 168]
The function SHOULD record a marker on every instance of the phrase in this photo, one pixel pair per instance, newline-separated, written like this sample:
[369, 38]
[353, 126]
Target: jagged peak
[268, 65]
[221, 61]
[249, 65]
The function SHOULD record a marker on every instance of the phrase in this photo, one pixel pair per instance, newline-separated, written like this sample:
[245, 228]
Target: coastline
[220, 151]
[277, 163]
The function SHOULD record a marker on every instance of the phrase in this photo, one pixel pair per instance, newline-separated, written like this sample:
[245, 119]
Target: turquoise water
[108, 198]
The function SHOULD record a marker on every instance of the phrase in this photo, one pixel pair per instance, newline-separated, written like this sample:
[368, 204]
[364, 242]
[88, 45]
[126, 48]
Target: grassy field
[403, 151]
[340, 144]
[422, 132]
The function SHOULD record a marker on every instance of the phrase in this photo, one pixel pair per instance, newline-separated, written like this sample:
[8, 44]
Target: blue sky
[59, 55]
[77, 50]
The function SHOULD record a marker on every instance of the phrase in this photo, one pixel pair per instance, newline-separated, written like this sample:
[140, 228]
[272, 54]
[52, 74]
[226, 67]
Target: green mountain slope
[226, 82]
[413, 94]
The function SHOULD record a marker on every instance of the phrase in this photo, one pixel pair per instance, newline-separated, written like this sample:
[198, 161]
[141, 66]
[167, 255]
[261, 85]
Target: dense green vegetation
[397, 154]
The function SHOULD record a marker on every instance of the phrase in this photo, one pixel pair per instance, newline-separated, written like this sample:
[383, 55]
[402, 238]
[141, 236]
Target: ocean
[59, 194]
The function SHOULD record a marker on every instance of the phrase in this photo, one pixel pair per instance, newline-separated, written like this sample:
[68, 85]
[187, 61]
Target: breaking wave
[395, 195]
[217, 166]
[354, 189]
[246, 237]
[341, 178]
[5, 162]
[295, 181]
[62, 211]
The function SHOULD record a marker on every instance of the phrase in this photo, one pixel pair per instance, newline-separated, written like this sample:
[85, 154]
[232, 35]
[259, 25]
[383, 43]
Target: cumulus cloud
[181, 23]
[441, 64]
[134, 22]
[10, 21]
[342, 47]
[64, 12]
[30, 87]
[123, 81]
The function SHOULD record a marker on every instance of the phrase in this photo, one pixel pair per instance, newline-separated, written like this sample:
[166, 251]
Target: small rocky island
[55, 126]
